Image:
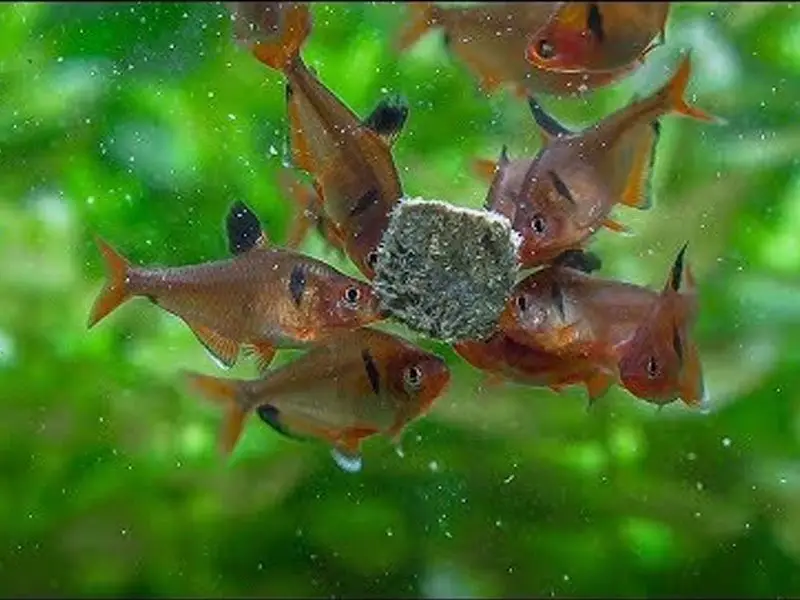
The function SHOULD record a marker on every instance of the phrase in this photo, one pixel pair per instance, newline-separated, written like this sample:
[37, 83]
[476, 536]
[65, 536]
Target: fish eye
[522, 303]
[413, 376]
[352, 295]
[539, 224]
[545, 49]
[652, 367]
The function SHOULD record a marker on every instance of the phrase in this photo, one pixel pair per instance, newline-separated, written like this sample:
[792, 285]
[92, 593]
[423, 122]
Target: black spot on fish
[297, 283]
[372, 371]
[271, 416]
[677, 344]
[557, 296]
[594, 22]
[388, 117]
[545, 121]
[677, 269]
[364, 202]
[580, 260]
[289, 91]
[561, 187]
[243, 228]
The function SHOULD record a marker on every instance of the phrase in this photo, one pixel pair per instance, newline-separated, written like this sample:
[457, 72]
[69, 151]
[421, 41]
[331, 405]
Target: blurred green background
[143, 121]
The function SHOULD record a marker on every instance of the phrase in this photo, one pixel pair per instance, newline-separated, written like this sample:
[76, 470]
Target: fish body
[597, 36]
[262, 298]
[557, 200]
[491, 40]
[570, 313]
[500, 355]
[350, 387]
[661, 363]
[350, 159]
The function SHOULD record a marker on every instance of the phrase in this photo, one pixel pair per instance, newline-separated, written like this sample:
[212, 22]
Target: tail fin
[224, 392]
[423, 16]
[294, 30]
[115, 291]
[672, 93]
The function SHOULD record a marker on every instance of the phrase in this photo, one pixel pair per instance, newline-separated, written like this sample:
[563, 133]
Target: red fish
[661, 362]
[490, 39]
[571, 313]
[559, 199]
[598, 36]
[262, 298]
[350, 159]
[351, 387]
[499, 355]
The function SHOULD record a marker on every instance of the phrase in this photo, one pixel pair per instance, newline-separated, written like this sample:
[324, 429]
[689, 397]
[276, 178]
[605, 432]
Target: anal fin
[221, 349]
[616, 226]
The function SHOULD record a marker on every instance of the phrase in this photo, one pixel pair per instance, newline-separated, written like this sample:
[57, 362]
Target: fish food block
[446, 271]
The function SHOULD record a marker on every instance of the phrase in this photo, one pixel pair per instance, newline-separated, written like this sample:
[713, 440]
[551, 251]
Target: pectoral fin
[263, 353]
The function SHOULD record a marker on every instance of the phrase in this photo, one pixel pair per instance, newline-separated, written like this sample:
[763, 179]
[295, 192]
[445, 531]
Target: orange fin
[298, 142]
[597, 385]
[692, 387]
[616, 226]
[224, 392]
[264, 353]
[673, 93]
[557, 387]
[484, 168]
[423, 16]
[115, 291]
[347, 451]
[295, 28]
[222, 350]
[492, 380]
[638, 191]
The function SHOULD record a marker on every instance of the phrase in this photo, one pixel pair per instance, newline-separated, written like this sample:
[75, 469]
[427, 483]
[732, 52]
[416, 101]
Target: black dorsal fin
[549, 127]
[243, 229]
[388, 118]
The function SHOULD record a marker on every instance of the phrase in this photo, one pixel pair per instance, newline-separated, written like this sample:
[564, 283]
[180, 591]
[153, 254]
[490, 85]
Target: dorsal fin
[388, 118]
[548, 126]
[676, 273]
[243, 229]
[580, 260]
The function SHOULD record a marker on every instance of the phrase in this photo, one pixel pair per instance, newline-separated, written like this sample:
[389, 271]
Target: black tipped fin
[388, 118]
[243, 229]
[676, 274]
[580, 260]
[372, 372]
[548, 126]
[272, 417]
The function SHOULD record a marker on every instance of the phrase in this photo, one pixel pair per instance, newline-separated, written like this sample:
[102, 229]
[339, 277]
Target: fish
[570, 313]
[262, 298]
[349, 159]
[559, 198]
[490, 39]
[310, 212]
[351, 387]
[661, 362]
[502, 357]
[598, 36]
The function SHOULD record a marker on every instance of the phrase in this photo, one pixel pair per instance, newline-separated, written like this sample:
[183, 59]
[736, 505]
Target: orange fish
[351, 387]
[598, 36]
[661, 363]
[501, 356]
[571, 313]
[491, 39]
[559, 199]
[350, 159]
[262, 298]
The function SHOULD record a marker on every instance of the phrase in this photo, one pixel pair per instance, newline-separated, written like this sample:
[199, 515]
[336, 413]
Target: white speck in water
[726, 442]
[433, 466]
[90, 200]
[210, 94]
[389, 533]
[747, 525]
[782, 480]
[509, 479]
[691, 456]
[498, 523]
[566, 577]
[697, 514]
[273, 151]
[231, 116]
[699, 486]
[124, 532]
[260, 566]
[448, 535]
